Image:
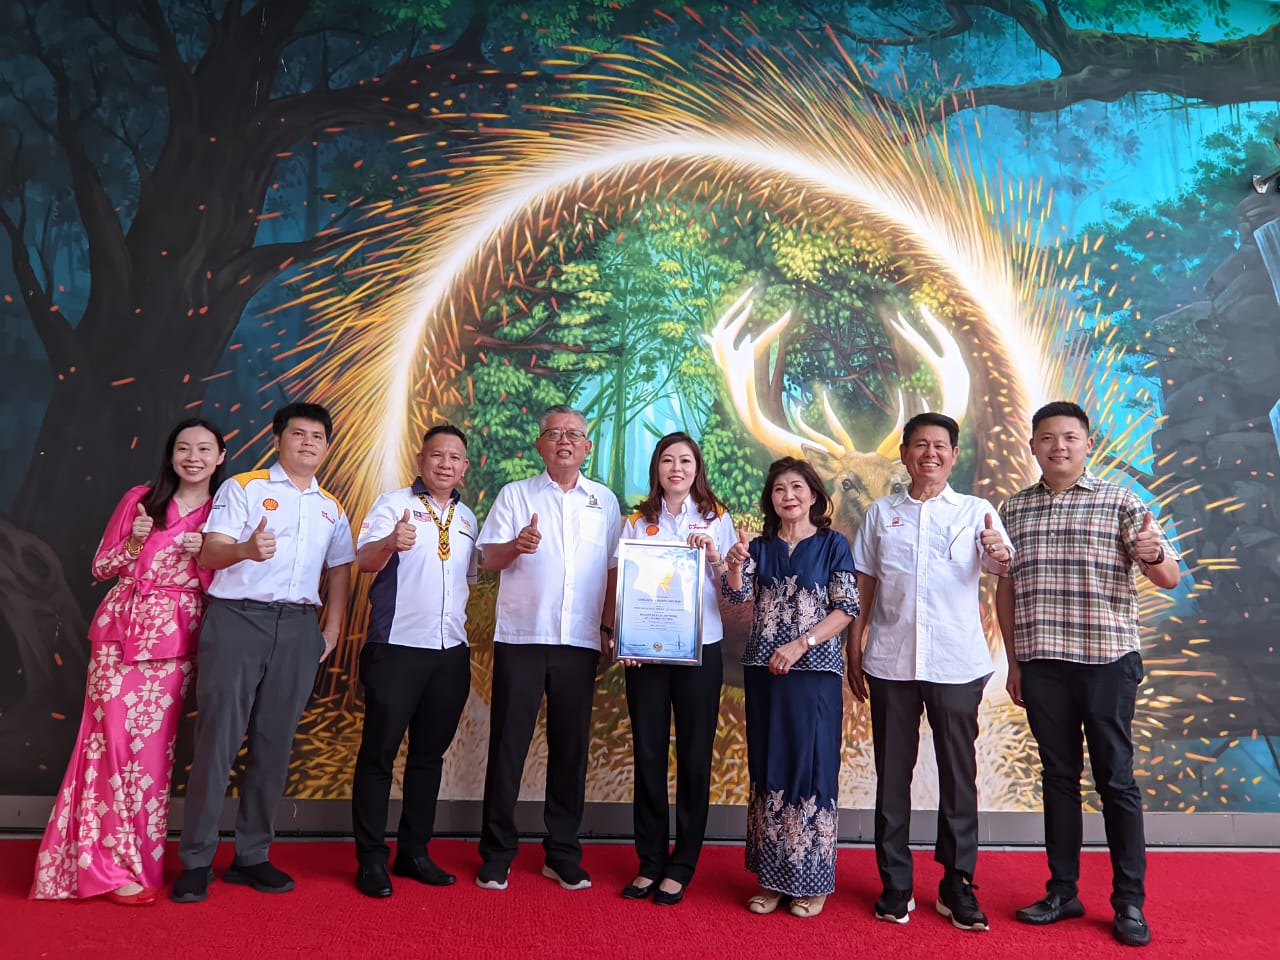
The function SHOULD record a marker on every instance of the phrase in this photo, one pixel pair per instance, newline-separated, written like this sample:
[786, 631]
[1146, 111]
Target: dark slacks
[952, 709]
[255, 669]
[1062, 699]
[422, 691]
[654, 693]
[522, 675]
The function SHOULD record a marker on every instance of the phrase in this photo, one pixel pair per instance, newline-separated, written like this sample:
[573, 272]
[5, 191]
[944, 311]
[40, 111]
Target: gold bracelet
[129, 548]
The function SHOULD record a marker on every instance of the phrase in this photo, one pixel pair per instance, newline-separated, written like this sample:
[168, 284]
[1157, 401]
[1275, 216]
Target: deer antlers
[737, 355]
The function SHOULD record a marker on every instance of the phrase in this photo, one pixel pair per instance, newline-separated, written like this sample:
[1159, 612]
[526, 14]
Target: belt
[276, 606]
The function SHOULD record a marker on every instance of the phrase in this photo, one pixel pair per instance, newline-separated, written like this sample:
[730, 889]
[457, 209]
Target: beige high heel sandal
[807, 906]
[763, 903]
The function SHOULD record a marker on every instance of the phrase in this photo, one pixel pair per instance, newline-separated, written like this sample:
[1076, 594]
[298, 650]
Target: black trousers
[952, 709]
[522, 674]
[1062, 699]
[422, 691]
[654, 693]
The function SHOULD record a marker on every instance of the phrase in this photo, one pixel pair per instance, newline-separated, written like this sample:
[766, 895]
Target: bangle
[606, 630]
[717, 564]
[130, 549]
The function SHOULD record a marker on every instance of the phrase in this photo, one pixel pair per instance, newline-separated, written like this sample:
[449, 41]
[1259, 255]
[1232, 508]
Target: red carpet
[1199, 905]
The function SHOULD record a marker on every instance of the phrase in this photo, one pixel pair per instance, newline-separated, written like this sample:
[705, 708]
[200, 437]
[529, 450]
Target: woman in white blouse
[680, 507]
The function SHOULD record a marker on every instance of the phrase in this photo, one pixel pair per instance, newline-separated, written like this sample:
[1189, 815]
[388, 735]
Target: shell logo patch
[651, 529]
[270, 504]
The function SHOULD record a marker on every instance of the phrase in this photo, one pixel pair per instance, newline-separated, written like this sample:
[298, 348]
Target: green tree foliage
[1156, 256]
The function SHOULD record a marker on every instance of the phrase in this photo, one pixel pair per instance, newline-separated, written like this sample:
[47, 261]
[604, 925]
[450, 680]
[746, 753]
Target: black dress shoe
[1130, 927]
[664, 899]
[423, 870]
[633, 892]
[1051, 909]
[372, 880]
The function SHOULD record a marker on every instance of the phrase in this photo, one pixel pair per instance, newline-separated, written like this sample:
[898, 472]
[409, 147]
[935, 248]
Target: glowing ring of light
[997, 300]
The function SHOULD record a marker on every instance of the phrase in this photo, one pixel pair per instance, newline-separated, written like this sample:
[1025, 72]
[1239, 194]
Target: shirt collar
[419, 489]
[277, 475]
[577, 483]
[1087, 481]
[947, 494]
[684, 509]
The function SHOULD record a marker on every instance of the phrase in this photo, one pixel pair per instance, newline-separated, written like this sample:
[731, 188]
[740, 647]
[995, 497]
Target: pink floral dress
[111, 815]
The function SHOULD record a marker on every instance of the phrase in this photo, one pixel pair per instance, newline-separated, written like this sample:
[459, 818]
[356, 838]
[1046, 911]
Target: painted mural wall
[780, 227]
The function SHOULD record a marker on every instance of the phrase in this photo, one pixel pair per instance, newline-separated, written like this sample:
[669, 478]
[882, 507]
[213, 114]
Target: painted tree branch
[1096, 64]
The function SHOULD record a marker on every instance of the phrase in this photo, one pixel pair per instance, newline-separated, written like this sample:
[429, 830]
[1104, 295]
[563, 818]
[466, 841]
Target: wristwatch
[810, 640]
[1157, 561]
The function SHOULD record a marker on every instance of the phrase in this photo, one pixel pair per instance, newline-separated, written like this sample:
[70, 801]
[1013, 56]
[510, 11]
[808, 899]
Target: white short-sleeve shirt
[418, 599]
[310, 528]
[927, 560]
[678, 528]
[555, 595]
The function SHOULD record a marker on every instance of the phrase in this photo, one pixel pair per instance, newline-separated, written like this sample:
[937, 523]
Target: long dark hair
[704, 499]
[156, 500]
[819, 513]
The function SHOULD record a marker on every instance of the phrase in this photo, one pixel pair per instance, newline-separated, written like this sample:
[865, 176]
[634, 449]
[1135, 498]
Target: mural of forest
[778, 226]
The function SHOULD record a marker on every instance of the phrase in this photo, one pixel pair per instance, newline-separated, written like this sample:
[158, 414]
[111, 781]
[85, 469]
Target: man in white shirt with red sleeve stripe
[919, 555]
[415, 665]
[270, 536]
[553, 536]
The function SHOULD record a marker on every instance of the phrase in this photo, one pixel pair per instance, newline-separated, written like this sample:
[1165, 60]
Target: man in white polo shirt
[415, 665]
[553, 536]
[270, 536]
[919, 556]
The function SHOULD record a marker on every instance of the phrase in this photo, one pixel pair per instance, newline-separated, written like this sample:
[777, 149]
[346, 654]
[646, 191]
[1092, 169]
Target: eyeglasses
[555, 435]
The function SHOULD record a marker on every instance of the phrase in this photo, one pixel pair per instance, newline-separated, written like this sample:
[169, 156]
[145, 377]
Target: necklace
[186, 507]
[442, 526]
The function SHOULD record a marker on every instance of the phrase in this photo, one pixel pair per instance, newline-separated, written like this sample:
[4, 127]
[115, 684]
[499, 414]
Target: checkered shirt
[1074, 570]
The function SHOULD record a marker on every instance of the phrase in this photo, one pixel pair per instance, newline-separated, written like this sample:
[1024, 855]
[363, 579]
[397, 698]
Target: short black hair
[1060, 408]
[447, 428]
[302, 411]
[931, 420]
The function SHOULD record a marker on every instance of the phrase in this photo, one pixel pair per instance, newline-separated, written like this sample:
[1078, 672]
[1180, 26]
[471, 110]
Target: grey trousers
[255, 670]
[952, 708]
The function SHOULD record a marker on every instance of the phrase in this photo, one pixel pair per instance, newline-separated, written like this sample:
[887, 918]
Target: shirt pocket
[896, 550]
[960, 546]
[592, 528]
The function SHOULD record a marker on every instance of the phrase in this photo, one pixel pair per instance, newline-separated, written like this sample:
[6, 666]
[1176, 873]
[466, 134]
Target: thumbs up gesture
[739, 552]
[142, 525]
[261, 544]
[1149, 548]
[992, 543]
[404, 535]
[528, 538]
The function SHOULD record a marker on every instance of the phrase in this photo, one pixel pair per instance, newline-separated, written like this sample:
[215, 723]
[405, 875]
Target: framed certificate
[659, 602]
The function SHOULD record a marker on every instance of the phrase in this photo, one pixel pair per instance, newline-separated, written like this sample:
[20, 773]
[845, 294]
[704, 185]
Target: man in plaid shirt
[1068, 611]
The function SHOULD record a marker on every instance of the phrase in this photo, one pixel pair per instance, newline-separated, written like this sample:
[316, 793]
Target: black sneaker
[895, 906]
[263, 877]
[492, 875]
[192, 886]
[956, 901]
[570, 876]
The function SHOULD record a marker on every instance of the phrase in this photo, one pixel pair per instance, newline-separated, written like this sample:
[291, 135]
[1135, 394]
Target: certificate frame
[659, 625]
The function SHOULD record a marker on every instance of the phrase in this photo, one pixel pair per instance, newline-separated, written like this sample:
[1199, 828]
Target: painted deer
[858, 478]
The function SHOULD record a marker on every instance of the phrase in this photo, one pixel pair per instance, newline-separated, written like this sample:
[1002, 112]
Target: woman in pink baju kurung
[106, 834]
